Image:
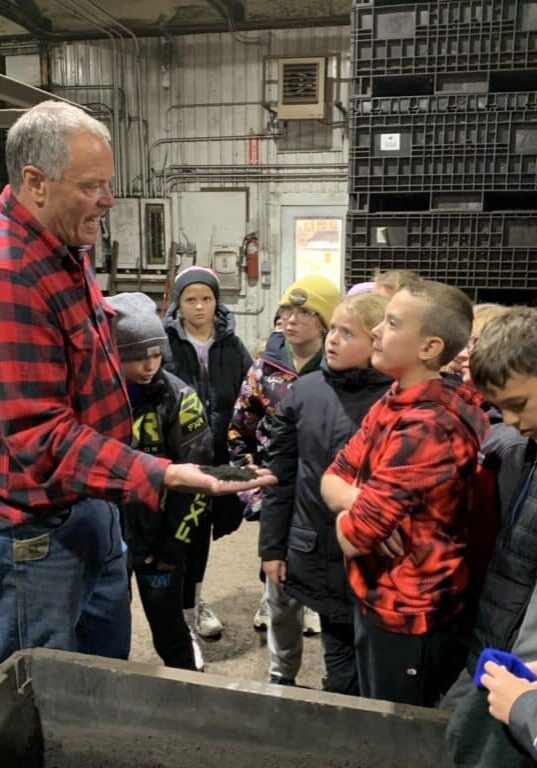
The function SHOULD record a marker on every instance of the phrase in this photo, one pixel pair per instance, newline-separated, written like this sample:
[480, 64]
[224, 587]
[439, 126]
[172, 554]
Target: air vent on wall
[301, 88]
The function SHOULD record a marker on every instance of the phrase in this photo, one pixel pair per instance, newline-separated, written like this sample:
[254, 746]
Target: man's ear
[34, 181]
[432, 347]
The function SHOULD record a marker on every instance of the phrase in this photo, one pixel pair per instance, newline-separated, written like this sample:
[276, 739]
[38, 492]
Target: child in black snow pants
[169, 421]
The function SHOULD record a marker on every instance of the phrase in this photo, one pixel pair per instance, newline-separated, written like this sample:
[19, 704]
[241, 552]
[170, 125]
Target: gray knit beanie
[137, 327]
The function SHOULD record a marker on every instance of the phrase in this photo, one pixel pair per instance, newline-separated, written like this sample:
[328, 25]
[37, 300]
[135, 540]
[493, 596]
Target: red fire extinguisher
[251, 251]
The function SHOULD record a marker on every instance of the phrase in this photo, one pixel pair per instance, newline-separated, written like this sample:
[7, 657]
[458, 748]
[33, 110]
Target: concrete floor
[233, 590]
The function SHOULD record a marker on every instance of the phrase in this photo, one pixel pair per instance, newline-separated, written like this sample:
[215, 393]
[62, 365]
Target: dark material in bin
[60, 710]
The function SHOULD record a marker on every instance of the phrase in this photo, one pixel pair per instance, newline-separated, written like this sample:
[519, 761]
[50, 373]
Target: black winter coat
[228, 363]
[168, 421]
[313, 421]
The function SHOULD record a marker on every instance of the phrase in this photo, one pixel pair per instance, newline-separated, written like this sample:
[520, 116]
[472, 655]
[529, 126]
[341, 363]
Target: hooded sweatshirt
[414, 460]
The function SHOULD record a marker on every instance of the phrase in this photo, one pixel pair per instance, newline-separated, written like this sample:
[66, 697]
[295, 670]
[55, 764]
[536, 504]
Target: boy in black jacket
[168, 421]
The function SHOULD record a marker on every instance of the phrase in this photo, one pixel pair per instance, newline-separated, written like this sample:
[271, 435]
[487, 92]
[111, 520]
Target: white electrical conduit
[131, 34]
[68, 6]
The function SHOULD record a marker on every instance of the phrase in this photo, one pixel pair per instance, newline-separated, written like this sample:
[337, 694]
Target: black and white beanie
[202, 275]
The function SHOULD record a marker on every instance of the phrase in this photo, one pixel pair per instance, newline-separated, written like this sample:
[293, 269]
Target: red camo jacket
[65, 420]
[414, 460]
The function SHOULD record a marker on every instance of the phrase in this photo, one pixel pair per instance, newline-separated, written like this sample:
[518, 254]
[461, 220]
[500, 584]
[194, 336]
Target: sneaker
[207, 624]
[312, 623]
[261, 617]
[277, 680]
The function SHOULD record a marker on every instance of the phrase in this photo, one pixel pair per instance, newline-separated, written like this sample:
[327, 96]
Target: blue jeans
[63, 583]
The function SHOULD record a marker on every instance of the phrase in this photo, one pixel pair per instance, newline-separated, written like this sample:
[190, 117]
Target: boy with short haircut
[503, 366]
[400, 488]
[388, 283]
[168, 421]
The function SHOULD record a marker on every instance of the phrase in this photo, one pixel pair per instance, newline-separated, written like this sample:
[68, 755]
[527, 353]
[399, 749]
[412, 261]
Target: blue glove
[508, 660]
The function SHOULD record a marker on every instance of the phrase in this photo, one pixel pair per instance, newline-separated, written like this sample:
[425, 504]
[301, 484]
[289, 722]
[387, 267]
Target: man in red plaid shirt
[65, 422]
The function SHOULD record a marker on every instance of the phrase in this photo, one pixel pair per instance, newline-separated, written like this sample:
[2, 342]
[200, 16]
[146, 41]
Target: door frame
[316, 207]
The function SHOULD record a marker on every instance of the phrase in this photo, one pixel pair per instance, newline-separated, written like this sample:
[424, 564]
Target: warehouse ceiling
[77, 19]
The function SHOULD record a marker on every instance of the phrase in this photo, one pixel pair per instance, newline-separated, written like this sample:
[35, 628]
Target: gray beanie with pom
[137, 327]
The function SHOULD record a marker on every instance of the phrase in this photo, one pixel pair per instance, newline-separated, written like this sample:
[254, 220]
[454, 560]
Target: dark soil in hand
[227, 472]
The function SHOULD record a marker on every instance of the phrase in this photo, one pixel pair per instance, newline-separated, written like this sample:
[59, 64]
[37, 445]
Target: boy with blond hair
[400, 488]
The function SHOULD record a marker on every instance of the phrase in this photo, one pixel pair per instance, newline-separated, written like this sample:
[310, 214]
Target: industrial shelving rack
[443, 143]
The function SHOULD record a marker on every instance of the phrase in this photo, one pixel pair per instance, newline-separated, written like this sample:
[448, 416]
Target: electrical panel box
[156, 233]
[226, 262]
[125, 228]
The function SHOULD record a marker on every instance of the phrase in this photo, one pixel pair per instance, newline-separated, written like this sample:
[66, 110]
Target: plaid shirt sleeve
[64, 414]
[417, 459]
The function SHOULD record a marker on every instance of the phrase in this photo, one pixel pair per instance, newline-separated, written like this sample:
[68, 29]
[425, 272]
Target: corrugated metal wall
[195, 91]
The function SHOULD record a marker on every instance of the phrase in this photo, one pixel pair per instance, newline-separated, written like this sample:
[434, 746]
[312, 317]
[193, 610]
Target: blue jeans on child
[63, 583]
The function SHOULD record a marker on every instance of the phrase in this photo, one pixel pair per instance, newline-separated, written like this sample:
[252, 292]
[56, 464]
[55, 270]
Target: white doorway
[312, 242]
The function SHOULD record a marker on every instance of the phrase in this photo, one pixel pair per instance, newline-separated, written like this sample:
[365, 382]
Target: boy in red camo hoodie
[400, 488]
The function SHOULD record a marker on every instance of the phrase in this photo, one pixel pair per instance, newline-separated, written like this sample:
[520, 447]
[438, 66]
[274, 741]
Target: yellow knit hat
[313, 292]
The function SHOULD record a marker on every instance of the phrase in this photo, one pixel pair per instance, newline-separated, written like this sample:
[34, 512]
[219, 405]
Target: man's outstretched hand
[189, 478]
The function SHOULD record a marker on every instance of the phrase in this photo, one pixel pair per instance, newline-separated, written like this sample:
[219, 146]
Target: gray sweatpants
[284, 635]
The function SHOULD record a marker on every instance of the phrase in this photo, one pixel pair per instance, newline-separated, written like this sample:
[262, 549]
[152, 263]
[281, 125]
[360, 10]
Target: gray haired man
[65, 423]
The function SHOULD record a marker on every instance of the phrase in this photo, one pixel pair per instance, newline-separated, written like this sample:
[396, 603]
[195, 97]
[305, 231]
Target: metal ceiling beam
[22, 95]
[14, 13]
[155, 30]
[32, 12]
[9, 116]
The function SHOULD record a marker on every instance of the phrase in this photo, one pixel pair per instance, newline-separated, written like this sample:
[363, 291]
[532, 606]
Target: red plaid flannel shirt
[414, 461]
[65, 421]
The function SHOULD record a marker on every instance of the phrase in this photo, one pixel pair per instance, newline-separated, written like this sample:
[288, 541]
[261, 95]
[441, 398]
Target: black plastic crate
[471, 250]
[448, 143]
[443, 36]
[409, 202]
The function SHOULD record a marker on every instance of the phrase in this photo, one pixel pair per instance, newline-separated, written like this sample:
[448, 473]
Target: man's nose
[107, 199]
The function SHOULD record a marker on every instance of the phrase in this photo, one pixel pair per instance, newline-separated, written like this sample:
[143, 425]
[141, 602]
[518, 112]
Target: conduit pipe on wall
[121, 104]
[138, 78]
[73, 8]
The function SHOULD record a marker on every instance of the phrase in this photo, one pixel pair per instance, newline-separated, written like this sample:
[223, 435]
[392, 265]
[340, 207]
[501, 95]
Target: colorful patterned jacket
[266, 383]
[414, 460]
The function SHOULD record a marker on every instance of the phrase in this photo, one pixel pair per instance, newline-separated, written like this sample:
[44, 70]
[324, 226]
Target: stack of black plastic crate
[443, 143]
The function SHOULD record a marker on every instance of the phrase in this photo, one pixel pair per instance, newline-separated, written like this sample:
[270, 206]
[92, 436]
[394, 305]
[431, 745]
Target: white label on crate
[390, 142]
[382, 236]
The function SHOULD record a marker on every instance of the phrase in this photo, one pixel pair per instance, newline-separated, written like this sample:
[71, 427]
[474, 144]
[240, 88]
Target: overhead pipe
[122, 110]
[73, 8]
[138, 88]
